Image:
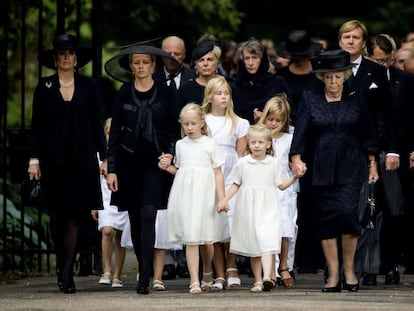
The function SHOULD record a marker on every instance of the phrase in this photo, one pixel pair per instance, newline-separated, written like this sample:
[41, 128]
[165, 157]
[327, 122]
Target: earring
[55, 64]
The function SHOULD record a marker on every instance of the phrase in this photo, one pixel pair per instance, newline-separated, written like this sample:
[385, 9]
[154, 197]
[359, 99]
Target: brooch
[48, 84]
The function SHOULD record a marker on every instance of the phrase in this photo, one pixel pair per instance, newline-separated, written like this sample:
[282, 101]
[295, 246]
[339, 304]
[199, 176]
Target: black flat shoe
[351, 287]
[69, 290]
[333, 289]
[143, 290]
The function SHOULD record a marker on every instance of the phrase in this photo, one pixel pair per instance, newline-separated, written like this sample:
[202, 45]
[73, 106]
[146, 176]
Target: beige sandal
[158, 285]
[195, 288]
[257, 287]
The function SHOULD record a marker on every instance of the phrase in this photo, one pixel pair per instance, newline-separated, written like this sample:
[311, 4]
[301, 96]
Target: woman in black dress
[66, 135]
[144, 126]
[335, 128]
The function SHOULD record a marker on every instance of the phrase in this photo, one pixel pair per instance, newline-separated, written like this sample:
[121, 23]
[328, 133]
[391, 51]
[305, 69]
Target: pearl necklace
[67, 85]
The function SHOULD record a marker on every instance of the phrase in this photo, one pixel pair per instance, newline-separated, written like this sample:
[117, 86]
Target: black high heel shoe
[333, 289]
[68, 285]
[350, 287]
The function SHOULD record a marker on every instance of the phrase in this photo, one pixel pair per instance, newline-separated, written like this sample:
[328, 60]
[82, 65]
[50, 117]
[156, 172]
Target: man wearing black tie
[170, 262]
[370, 80]
[172, 73]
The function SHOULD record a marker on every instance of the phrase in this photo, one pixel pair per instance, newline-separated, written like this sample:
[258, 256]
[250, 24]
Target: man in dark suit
[174, 74]
[396, 187]
[370, 81]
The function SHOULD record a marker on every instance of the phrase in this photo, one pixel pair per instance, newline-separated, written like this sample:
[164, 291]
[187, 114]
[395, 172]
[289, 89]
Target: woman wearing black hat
[144, 127]
[336, 128]
[206, 58]
[66, 135]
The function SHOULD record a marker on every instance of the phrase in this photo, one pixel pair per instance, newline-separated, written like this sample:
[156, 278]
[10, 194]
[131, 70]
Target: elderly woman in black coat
[66, 135]
[336, 130]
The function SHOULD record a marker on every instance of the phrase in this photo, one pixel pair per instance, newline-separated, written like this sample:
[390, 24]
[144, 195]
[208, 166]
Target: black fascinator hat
[118, 68]
[65, 42]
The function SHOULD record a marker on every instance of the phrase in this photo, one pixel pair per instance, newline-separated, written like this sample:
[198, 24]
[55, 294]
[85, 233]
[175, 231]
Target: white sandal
[158, 285]
[106, 278]
[233, 282]
[218, 285]
[206, 285]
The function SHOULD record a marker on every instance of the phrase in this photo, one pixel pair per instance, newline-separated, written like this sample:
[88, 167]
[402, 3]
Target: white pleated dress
[219, 128]
[256, 225]
[192, 215]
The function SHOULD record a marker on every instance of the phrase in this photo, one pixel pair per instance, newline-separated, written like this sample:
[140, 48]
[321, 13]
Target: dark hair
[384, 42]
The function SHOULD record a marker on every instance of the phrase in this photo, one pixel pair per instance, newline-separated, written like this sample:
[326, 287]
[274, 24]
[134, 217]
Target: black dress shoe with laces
[392, 277]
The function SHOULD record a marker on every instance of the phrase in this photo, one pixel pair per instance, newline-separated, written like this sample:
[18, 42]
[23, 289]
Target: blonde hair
[262, 130]
[211, 87]
[277, 104]
[196, 108]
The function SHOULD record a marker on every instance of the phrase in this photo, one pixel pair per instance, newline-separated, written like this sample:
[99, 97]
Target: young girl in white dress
[198, 183]
[229, 131]
[256, 229]
[112, 224]
[276, 116]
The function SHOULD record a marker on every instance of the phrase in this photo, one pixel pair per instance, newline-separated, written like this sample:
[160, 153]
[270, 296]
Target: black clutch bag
[368, 221]
[32, 193]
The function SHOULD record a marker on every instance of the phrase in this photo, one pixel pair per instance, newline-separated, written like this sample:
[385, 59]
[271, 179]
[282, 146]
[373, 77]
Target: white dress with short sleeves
[192, 215]
[220, 130]
[256, 224]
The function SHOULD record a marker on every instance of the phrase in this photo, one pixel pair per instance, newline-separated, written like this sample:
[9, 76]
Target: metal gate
[25, 243]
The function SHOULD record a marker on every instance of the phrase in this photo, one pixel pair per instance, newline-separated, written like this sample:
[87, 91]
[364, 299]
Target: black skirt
[337, 210]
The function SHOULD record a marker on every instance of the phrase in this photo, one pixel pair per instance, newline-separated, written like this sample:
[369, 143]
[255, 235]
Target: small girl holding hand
[256, 229]
[276, 117]
[198, 183]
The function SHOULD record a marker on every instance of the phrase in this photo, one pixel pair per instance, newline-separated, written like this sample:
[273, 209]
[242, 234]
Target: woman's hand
[94, 214]
[104, 168]
[34, 169]
[164, 161]
[112, 182]
[373, 172]
[297, 166]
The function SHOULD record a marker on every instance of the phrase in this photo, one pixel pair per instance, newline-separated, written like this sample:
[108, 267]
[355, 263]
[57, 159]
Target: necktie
[172, 83]
[354, 68]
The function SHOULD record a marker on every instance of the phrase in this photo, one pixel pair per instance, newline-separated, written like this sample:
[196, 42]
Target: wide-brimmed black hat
[118, 66]
[65, 42]
[335, 60]
[298, 45]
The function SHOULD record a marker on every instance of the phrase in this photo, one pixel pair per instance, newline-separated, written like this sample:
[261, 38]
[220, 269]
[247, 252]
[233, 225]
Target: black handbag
[369, 218]
[32, 193]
